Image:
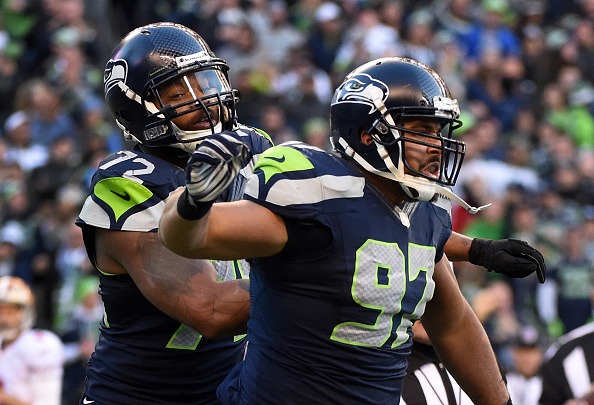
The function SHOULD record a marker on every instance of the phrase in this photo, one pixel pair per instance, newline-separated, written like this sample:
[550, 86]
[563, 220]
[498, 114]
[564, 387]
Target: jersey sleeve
[128, 192]
[291, 180]
[255, 138]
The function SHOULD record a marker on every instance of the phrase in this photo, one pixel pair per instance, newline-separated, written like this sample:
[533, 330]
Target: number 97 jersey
[332, 323]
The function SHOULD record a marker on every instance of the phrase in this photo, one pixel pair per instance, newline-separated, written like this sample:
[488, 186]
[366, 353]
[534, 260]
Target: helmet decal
[382, 97]
[186, 60]
[115, 71]
[361, 89]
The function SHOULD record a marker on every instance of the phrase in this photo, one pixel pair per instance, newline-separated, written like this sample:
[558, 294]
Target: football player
[31, 360]
[168, 92]
[341, 267]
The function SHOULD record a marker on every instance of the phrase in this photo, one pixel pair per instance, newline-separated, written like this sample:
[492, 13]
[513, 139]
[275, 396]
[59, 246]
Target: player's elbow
[222, 328]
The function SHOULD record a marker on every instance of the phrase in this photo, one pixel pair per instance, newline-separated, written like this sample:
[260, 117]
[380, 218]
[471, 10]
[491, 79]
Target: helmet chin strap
[27, 320]
[188, 147]
[415, 187]
[450, 194]
[201, 135]
[408, 182]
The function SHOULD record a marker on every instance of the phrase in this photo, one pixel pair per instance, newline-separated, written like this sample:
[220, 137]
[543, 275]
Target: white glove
[214, 165]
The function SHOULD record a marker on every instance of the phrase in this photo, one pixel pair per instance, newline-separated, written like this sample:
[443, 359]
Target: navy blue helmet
[379, 97]
[154, 56]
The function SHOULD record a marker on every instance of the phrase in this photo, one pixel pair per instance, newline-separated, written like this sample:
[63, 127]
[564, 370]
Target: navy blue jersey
[144, 356]
[332, 325]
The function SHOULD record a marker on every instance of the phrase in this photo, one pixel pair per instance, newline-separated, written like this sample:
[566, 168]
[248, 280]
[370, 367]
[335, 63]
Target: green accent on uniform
[282, 159]
[105, 321]
[185, 338]
[121, 194]
[265, 135]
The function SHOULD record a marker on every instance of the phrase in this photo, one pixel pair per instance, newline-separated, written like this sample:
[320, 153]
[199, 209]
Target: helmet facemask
[204, 94]
[149, 60]
[27, 317]
[379, 98]
[391, 137]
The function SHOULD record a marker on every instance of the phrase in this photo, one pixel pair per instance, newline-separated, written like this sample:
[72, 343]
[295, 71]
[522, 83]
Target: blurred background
[520, 69]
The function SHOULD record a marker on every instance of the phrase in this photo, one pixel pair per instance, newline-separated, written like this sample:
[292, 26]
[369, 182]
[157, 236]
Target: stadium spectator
[325, 39]
[12, 239]
[368, 38]
[523, 380]
[80, 334]
[280, 36]
[241, 47]
[417, 37]
[566, 367]
[491, 33]
[20, 147]
[573, 279]
[49, 120]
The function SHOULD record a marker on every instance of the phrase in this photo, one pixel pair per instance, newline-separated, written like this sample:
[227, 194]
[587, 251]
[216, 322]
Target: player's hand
[214, 165]
[511, 257]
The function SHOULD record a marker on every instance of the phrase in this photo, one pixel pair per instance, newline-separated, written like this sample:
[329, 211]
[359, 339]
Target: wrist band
[191, 210]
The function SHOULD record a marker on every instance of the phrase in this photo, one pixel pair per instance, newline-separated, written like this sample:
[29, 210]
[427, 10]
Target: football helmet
[379, 97]
[161, 72]
[14, 290]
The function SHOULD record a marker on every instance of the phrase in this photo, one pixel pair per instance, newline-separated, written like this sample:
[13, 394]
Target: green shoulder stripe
[282, 159]
[265, 135]
[121, 194]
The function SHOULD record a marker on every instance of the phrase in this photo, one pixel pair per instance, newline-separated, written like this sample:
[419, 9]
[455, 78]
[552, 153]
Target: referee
[568, 368]
[427, 381]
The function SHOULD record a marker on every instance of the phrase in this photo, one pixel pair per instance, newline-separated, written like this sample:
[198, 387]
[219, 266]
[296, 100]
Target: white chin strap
[425, 189]
[199, 136]
[28, 318]
[415, 187]
[188, 147]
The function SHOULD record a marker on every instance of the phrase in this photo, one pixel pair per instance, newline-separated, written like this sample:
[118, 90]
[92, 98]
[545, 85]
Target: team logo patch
[115, 71]
[361, 89]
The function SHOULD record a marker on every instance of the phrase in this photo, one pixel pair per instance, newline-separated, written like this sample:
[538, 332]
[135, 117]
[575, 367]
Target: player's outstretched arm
[185, 289]
[461, 341]
[512, 257]
[193, 227]
[229, 230]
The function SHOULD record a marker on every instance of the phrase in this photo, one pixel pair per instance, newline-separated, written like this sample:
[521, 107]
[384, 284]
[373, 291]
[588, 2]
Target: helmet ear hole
[366, 138]
[120, 117]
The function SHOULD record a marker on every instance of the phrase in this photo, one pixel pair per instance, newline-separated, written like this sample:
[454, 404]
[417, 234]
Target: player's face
[183, 91]
[10, 316]
[423, 158]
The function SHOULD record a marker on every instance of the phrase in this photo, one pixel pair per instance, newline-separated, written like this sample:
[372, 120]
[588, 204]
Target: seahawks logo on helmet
[115, 71]
[361, 89]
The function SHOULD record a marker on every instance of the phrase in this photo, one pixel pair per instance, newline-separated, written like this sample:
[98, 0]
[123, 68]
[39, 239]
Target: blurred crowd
[521, 70]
